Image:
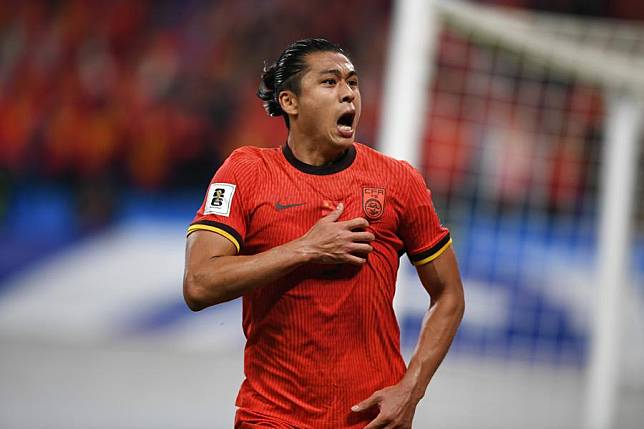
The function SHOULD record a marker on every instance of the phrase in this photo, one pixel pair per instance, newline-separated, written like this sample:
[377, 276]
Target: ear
[288, 102]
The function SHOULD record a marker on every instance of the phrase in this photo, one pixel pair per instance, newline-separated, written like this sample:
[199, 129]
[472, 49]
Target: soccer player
[310, 234]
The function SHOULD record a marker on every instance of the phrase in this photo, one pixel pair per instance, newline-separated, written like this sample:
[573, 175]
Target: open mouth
[345, 124]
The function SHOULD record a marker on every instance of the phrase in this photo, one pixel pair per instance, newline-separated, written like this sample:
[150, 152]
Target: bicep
[202, 246]
[441, 276]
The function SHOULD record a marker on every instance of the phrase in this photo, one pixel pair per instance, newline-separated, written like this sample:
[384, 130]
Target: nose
[347, 94]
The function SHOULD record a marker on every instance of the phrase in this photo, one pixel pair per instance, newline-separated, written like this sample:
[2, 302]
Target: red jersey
[325, 337]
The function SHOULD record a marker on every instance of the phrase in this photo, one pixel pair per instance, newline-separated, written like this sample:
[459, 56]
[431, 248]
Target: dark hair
[285, 73]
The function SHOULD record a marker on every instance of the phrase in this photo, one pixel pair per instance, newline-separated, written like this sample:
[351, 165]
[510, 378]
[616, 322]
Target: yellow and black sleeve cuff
[219, 228]
[432, 253]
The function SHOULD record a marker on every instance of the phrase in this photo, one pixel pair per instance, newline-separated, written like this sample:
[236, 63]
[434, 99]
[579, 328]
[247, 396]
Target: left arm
[397, 404]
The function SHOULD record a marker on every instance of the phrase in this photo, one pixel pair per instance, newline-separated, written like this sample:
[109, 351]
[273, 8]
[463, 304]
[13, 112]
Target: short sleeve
[424, 238]
[222, 210]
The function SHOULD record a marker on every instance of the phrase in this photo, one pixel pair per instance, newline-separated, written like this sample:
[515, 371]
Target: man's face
[329, 100]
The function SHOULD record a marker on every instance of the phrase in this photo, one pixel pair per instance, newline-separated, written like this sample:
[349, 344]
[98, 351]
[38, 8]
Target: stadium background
[113, 117]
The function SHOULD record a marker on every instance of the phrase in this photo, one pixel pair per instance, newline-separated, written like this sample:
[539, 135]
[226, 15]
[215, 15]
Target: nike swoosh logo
[281, 207]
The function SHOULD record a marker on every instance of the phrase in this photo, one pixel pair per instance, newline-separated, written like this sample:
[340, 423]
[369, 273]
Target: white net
[530, 119]
[512, 150]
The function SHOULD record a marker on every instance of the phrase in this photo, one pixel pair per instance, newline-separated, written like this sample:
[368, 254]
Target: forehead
[319, 62]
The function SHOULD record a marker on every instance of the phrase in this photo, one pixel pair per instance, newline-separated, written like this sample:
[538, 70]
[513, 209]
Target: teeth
[345, 128]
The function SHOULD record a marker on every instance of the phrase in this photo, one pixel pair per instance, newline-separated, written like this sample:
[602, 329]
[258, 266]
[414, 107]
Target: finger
[334, 215]
[362, 236]
[358, 222]
[354, 260]
[366, 404]
[361, 248]
[376, 423]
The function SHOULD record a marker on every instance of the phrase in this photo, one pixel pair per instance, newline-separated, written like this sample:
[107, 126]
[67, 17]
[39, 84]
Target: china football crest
[373, 202]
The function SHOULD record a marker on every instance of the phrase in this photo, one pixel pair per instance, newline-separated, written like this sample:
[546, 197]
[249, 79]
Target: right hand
[332, 242]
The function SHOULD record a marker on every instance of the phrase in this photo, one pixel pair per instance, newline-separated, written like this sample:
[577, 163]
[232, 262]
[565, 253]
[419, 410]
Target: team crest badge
[373, 202]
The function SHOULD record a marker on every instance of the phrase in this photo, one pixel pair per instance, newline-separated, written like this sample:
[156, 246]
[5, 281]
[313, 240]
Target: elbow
[194, 294]
[459, 305]
[453, 304]
[192, 303]
[191, 296]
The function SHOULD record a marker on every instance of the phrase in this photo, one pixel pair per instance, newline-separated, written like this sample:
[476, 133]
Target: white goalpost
[605, 55]
[615, 229]
[408, 76]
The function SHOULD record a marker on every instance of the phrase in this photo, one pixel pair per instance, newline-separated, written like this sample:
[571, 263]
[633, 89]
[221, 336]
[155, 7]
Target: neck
[312, 152]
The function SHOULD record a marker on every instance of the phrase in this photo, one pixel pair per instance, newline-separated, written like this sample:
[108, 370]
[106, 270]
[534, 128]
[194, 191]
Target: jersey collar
[342, 163]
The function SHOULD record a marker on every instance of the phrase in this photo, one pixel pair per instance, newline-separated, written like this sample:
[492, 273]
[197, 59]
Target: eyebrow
[338, 73]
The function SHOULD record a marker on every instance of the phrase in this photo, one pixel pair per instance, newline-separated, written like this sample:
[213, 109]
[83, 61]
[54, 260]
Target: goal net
[528, 136]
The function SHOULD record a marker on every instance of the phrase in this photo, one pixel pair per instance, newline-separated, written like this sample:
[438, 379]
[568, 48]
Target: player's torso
[318, 310]
[315, 331]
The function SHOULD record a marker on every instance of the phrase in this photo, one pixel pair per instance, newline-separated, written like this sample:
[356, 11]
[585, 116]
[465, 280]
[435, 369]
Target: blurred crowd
[152, 95]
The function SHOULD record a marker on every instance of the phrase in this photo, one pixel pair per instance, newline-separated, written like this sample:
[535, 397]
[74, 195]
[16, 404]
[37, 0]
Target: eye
[353, 83]
[329, 81]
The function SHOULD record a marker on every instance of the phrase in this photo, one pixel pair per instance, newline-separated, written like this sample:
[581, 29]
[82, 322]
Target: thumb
[334, 215]
[366, 404]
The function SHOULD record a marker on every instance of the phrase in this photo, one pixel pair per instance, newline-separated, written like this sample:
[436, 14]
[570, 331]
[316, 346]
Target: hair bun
[266, 91]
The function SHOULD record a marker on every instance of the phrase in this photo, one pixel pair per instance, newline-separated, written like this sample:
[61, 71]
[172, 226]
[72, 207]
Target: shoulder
[246, 167]
[249, 154]
[249, 159]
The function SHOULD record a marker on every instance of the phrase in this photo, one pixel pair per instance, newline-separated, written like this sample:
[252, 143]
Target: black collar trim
[342, 163]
